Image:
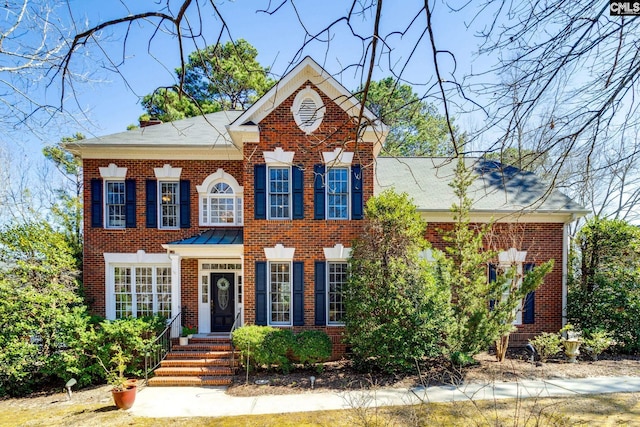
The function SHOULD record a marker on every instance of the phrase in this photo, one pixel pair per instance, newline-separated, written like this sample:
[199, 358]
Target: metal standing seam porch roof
[215, 236]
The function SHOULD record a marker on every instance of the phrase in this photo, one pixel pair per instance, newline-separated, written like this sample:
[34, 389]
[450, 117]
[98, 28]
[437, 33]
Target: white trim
[565, 271]
[113, 172]
[167, 172]
[278, 157]
[509, 259]
[199, 251]
[153, 152]
[217, 176]
[427, 255]
[176, 284]
[306, 70]
[139, 257]
[326, 192]
[134, 260]
[512, 257]
[320, 109]
[328, 288]
[337, 253]
[160, 204]
[497, 216]
[269, 302]
[204, 193]
[337, 157]
[279, 253]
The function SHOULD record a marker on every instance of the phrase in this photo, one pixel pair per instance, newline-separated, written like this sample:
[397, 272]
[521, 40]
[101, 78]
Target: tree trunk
[501, 347]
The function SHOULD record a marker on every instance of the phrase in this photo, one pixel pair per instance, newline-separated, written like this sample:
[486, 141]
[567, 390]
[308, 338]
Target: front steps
[205, 361]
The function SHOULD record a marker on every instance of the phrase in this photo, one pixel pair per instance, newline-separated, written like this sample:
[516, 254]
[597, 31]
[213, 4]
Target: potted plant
[123, 389]
[187, 333]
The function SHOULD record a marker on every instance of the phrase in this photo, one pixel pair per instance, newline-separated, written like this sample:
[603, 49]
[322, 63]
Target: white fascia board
[159, 152]
[376, 135]
[307, 69]
[502, 217]
[244, 134]
[204, 251]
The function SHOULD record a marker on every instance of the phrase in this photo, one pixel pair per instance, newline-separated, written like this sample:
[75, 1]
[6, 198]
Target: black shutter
[261, 293]
[298, 192]
[529, 304]
[152, 203]
[185, 203]
[320, 293]
[357, 203]
[130, 203]
[318, 192]
[298, 293]
[493, 277]
[260, 191]
[96, 203]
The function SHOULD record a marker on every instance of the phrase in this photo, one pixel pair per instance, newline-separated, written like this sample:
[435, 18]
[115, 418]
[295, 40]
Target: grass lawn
[601, 410]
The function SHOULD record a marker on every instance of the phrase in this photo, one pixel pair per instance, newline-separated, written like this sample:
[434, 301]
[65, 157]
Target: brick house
[248, 216]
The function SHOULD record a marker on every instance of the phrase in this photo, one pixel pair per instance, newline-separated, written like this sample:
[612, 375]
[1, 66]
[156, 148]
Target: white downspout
[565, 270]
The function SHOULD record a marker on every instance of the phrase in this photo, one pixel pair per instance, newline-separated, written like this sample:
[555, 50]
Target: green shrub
[595, 342]
[613, 306]
[249, 340]
[312, 347]
[277, 346]
[604, 288]
[547, 345]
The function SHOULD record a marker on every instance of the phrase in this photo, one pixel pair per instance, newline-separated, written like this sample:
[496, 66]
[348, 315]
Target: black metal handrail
[233, 349]
[158, 349]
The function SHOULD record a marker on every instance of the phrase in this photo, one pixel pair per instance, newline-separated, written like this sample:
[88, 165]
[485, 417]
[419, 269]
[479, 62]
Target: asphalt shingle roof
[206, 130]
[498, 187]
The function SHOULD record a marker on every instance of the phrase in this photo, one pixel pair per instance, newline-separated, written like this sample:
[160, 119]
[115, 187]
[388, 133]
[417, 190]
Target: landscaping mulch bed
[340, 375]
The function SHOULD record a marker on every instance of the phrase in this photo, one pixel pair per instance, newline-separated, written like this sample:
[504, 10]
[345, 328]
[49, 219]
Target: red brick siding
[100, 240]
[307, 236]
[542, 241]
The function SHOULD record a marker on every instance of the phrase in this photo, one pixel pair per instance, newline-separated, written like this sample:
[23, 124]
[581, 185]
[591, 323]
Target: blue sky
[112, 101]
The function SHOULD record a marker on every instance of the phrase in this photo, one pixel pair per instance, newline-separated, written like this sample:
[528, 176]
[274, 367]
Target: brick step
[205, 340]
[215, 340]
[196, 362]
[200, 354]
[203, 347]
[193, 371]
[190, 381]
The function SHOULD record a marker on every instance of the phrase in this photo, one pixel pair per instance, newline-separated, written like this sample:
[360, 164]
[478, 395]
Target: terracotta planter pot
[124, 399]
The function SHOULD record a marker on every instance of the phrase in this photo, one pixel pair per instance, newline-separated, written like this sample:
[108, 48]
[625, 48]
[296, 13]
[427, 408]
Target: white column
[176, 287]
[565, 267]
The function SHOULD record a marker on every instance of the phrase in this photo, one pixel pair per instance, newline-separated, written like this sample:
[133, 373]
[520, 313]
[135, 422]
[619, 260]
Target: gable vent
[308, 110]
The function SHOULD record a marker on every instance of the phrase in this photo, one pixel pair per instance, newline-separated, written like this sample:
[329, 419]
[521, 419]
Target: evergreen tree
[396, 312]
[481, 312]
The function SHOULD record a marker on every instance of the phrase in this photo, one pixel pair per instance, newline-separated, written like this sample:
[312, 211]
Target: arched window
[220, 200]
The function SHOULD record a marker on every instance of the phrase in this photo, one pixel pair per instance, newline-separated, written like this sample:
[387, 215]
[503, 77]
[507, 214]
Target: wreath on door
[223, 292]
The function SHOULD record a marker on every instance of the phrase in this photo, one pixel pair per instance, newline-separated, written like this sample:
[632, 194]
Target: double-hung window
[338, 187]
[115, 204]
[279, 192]
[169, 204]
[336, 280]
[280, 293]
[338, 193]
